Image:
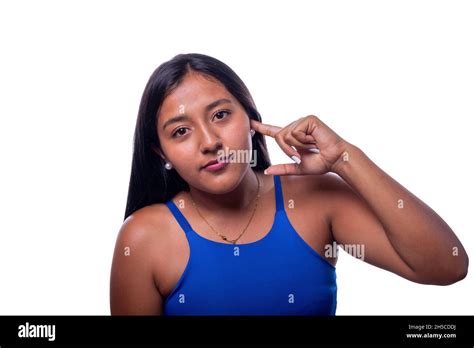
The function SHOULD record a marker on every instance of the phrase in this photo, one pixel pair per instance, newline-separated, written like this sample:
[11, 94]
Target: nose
[210, 141]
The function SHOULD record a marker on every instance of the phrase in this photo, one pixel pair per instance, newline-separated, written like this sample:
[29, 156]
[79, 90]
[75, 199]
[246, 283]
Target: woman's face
[201, 121]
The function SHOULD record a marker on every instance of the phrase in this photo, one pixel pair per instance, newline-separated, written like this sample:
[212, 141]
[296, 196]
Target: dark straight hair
[150, 182]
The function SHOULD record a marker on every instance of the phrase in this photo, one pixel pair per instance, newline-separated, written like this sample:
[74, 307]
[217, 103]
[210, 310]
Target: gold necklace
[233, 241]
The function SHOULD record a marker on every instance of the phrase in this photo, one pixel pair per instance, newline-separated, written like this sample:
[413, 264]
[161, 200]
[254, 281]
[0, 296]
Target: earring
[252, 132]
[168, 165]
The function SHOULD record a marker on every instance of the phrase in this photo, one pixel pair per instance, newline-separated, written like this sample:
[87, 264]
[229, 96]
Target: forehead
[194, 93]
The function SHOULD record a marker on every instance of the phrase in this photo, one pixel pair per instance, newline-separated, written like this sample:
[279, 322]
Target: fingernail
[313, 150]
[265, 172]
[296, 159]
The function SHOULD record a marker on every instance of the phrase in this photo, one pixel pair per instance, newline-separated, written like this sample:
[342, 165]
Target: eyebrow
[206, 109]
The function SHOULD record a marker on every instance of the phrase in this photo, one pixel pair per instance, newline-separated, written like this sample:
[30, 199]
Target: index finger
[265, 129]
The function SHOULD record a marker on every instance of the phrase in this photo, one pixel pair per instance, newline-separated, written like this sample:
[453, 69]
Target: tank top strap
[278, 193]
[178, 216]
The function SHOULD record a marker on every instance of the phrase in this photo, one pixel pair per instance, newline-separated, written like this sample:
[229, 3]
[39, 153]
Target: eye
[178, 131]
[221, 112]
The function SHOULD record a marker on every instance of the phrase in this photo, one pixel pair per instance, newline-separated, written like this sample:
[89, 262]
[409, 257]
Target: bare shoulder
[148, 222]
[327, 194]
[142, 228]
[133, 286]
[327, 184]
[147, 232]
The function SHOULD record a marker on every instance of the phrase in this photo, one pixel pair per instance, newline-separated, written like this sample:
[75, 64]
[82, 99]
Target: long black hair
[150, 182]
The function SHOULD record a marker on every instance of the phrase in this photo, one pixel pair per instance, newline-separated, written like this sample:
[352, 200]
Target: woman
[207, 232]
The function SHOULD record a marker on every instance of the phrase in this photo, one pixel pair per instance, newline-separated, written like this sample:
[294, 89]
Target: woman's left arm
[401, 233]
[417, 233]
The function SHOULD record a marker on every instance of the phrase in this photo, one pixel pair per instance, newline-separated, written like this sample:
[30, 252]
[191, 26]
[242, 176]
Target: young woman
[207, 232]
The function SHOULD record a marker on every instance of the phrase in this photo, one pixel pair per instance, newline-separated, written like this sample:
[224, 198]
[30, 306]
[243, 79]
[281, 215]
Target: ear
[158, 151]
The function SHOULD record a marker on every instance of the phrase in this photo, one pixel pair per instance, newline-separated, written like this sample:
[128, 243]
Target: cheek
[179, 153]
[184, 154]
[238, 136]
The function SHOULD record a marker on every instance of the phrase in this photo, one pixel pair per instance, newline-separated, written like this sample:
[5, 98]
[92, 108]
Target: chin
[220, 182]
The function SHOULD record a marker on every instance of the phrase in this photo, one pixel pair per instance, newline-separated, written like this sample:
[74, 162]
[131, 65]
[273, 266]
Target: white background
[394, 78]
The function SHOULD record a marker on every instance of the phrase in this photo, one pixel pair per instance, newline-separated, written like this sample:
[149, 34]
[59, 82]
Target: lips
[210, 162]
[215, 161]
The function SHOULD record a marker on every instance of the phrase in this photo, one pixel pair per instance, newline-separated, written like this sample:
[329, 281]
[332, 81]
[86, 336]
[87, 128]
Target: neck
[242, 196]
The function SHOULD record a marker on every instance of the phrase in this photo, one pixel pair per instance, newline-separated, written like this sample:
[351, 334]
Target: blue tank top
[279, 274]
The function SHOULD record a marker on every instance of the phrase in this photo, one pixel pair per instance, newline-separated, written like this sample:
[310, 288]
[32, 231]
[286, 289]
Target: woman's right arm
[132, 286]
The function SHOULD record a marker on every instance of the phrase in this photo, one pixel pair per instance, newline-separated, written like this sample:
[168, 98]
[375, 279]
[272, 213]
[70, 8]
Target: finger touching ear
[265, 129]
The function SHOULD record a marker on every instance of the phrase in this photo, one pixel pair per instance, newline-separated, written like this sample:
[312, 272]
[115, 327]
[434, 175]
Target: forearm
[422, 239]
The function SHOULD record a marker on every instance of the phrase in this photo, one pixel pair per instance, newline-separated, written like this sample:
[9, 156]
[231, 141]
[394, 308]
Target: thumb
[283, 169]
